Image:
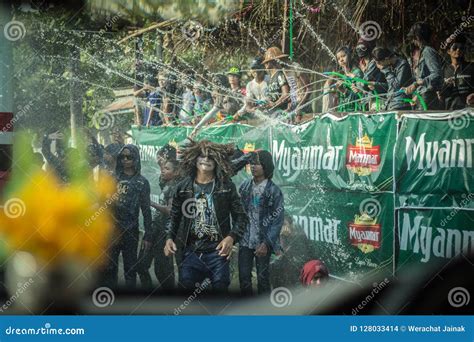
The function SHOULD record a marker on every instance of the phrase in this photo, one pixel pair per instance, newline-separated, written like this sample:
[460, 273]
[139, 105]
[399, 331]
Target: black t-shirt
[167, 192]
[461, 85]
[277, 81]
[204, 235]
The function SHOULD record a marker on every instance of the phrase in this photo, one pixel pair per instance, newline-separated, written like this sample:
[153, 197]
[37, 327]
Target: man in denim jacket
[263, 202]
[427, 67]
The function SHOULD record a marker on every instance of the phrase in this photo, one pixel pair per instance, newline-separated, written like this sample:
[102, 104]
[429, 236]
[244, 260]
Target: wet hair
[421, 31]
[95, 150]
[348, 53]
[220, 80]
[364, 48]
[168, 152]
[233, 105]
[458, 40]
[113, 149]
[266, 160]
[381, 53]
[219, 153]
[257, 64]
[151, 81]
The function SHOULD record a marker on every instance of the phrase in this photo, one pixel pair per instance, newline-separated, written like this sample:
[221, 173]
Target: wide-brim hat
[272, 54]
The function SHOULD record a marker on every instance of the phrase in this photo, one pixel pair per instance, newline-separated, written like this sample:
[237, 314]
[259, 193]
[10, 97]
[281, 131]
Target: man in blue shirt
[263, 202]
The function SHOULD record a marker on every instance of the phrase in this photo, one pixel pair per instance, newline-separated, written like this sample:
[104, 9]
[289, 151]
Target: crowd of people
[200, 219]
[369, 78]
[201, 214]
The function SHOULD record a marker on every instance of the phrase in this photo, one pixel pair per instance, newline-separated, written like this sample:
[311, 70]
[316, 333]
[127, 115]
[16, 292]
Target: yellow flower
[58, 221]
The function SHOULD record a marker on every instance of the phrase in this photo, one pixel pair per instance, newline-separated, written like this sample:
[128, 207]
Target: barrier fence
[375, 193]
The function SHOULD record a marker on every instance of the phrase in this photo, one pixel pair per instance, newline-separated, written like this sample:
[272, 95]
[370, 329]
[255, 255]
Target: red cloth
[310, 269]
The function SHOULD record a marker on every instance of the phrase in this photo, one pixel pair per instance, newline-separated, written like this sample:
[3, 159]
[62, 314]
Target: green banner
[352, 232]
[351, 153]
[337, 176]
[426, 236]
[434, 160]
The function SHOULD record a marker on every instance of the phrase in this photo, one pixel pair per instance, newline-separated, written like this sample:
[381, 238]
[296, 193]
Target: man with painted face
[263, 202]
[206, 200]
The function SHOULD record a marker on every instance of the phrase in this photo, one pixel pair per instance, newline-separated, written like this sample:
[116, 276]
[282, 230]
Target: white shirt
[256, 91]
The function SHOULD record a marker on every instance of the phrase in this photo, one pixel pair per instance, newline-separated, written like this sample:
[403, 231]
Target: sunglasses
[126, 156]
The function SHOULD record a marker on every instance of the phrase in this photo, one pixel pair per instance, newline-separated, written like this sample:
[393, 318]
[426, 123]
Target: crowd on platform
[369, 78]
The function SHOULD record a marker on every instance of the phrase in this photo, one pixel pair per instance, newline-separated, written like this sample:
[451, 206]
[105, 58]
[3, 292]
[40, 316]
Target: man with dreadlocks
[206, 200]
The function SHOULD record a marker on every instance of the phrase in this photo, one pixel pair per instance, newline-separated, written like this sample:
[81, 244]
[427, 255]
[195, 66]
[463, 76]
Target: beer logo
[248, 147]
[174, 144]
[364, 233]
[363, 158]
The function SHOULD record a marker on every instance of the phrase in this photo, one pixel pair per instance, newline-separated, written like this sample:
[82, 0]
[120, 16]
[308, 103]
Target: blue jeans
[246, 258]
[196, 267]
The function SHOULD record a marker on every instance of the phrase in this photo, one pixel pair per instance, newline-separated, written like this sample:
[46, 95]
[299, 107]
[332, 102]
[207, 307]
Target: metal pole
[75, 94]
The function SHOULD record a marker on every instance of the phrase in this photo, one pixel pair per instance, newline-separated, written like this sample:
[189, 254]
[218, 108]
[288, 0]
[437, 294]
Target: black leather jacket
[227, 204]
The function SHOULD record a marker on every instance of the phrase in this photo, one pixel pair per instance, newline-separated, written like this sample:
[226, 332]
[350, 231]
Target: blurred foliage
[231, 33]
[43, 74]
[76, 224]
[137, 10]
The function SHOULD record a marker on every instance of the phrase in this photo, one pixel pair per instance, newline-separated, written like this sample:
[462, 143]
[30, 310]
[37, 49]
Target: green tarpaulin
[365, 188]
